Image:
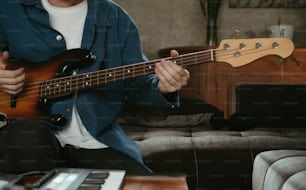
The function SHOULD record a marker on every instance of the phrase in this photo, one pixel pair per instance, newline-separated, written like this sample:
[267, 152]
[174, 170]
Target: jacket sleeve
[142, 89]
[3, 41]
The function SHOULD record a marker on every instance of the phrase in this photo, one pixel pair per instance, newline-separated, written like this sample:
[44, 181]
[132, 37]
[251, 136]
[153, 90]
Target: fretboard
[65, 85]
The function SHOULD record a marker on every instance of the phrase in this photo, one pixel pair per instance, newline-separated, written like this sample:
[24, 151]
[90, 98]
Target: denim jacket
[112, 36]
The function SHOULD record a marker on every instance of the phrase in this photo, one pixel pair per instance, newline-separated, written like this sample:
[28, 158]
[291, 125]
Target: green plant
[210, 9]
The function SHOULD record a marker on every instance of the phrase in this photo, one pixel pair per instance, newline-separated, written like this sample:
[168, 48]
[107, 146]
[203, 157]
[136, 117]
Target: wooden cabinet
[214, 82]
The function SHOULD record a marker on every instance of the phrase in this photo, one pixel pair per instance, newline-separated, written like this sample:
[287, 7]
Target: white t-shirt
[70, 23]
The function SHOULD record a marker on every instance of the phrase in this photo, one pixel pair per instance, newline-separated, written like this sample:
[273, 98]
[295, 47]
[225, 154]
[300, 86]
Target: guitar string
[134, 67]
[189, 59]
[122, 75]
[100, 72]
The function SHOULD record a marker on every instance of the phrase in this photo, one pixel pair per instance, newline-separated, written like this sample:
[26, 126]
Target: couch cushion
[204, 137]
[223, 159]
[272, 105]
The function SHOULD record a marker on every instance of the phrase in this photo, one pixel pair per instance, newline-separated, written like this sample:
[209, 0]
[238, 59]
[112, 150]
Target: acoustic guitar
[53, 79]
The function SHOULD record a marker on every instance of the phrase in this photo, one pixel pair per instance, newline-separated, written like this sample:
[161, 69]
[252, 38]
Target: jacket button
[59, 37]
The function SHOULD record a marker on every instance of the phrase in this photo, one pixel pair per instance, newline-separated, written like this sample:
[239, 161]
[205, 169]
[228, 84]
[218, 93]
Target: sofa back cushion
[272, 105]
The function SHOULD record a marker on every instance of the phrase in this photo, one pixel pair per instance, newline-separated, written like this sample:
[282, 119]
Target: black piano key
[93, 181]
[89, 187]
[98, 175]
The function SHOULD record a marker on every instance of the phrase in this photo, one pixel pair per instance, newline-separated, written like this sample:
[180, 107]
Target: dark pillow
[272, 105]
[191, 112]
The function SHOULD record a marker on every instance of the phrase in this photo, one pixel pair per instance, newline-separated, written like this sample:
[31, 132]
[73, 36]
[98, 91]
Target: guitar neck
[65, 85]
[236, 52]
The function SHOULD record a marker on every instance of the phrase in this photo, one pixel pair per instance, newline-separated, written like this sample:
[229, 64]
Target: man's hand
[172, 77]
[11, 81]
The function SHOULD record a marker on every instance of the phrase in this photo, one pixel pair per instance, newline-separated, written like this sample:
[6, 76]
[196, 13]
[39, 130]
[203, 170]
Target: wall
[165, 23]
[168, 23]
[259, 19]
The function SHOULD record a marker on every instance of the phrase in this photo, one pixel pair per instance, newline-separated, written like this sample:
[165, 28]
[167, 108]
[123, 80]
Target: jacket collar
[92, 10]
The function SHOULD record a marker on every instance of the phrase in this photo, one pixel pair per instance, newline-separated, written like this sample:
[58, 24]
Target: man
[36, 30]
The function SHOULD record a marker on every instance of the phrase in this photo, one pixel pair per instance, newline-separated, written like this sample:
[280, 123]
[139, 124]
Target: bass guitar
[53, 79]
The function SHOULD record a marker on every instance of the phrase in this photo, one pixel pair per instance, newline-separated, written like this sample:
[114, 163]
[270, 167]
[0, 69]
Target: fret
[63, 84]
[94, 78]
[48, 88]
[212, 57]
[129, 71]
[45, 89]
[78, 82]
[52, 87]
[57, 87]
[81, 82]
[42, 89]
[195, 59]
[99, 76]
[138, 70]
[143, 69]
[110, 75]
[149, 68]
[73, 83]
[119, 74]
[103, 77]
[68, 84]
[84, 81]
[178, 61]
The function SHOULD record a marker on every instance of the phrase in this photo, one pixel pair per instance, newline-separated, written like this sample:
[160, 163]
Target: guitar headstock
[239, 52]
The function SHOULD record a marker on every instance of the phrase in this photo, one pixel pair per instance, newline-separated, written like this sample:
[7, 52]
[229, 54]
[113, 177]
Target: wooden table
[154, 183]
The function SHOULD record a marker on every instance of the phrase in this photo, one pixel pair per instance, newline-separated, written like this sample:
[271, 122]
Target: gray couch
[210, 157]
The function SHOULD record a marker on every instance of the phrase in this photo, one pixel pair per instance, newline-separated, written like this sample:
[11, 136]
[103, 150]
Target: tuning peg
[266, 34]
[250, 34]
[235, 34]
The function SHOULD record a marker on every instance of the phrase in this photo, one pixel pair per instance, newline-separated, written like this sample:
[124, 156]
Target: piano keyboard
[71, 179]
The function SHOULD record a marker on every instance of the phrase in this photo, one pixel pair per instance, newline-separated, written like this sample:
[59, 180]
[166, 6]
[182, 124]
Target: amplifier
[65, 179]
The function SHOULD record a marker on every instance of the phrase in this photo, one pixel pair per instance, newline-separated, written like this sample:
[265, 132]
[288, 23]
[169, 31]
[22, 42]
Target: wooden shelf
[214, 82]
